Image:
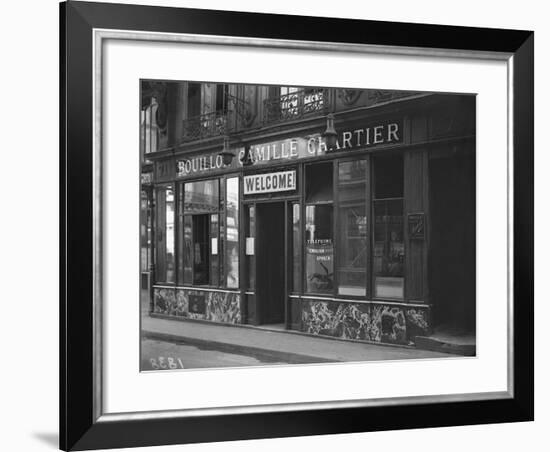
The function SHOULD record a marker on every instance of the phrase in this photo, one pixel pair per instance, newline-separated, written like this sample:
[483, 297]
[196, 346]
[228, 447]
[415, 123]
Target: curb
[260, 353]
[434, 345]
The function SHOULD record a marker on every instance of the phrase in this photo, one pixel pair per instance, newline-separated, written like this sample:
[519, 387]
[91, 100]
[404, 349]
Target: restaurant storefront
[334, 241]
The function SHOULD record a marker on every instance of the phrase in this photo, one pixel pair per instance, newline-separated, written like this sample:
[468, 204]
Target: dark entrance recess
[453, 241]
[270, 263]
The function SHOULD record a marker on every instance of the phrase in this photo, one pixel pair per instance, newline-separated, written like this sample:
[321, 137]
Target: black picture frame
[80, 426]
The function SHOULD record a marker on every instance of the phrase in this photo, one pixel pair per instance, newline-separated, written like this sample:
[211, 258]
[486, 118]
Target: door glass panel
[201, 249]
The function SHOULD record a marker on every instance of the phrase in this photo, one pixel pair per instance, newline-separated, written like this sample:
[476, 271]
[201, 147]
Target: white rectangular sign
[250, 246]
[270, 183]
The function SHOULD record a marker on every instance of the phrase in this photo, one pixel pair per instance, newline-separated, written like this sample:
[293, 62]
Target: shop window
[319, 229]
[232, 233]
[165, 235]
[352, 219]
[389, 247]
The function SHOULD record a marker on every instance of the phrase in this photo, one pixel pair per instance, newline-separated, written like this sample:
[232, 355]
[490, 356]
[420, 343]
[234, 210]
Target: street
[163, 355]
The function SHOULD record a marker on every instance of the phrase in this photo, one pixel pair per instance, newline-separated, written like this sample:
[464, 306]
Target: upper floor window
[207, 108]
[290, 102]
[149, 130]
[222, 95]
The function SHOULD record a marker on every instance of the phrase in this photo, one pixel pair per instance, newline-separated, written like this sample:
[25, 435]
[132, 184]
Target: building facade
[256, 211]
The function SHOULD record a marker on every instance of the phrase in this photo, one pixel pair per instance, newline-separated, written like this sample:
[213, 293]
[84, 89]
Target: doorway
[453, 241]
[270, 263]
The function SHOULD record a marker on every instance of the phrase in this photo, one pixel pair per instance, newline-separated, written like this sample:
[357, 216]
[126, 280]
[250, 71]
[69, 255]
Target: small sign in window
[416, 226]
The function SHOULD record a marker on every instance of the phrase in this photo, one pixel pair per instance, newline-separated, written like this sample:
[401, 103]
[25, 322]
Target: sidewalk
[288, 346]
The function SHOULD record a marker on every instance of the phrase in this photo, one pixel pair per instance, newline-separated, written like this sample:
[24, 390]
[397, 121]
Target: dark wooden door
[453, 241]
[270, 263]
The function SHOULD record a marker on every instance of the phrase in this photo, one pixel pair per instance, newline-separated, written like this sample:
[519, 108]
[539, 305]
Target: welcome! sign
[270, 183]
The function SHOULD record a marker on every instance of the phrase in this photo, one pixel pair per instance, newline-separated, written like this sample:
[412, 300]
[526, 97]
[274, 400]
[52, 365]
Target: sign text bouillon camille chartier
[295, 149]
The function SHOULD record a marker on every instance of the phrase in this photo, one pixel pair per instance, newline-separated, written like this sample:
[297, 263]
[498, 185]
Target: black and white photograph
[291, 225]
[284, 225]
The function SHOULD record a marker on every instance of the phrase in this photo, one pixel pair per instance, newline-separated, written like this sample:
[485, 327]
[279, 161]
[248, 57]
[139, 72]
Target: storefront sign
[314, 145]
[292, 149]
[202, 164]
[270, 183]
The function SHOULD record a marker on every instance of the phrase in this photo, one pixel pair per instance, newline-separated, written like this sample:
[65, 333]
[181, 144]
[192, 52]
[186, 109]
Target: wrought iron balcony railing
[295, 105]
[205, 126]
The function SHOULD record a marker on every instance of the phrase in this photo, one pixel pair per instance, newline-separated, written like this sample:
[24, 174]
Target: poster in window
[320, 265]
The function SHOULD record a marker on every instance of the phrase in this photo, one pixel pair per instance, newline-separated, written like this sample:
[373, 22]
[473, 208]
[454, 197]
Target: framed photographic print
[285, 225]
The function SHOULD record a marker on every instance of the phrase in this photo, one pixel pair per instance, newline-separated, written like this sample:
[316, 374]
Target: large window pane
[319, 249]
[352, 259]
[389, 249]
[232, 233]
[389, 246]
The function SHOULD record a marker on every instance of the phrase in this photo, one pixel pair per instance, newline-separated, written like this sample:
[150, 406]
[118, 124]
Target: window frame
[303, 222]
[339, 239]
[373, 200]
[181, 219]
